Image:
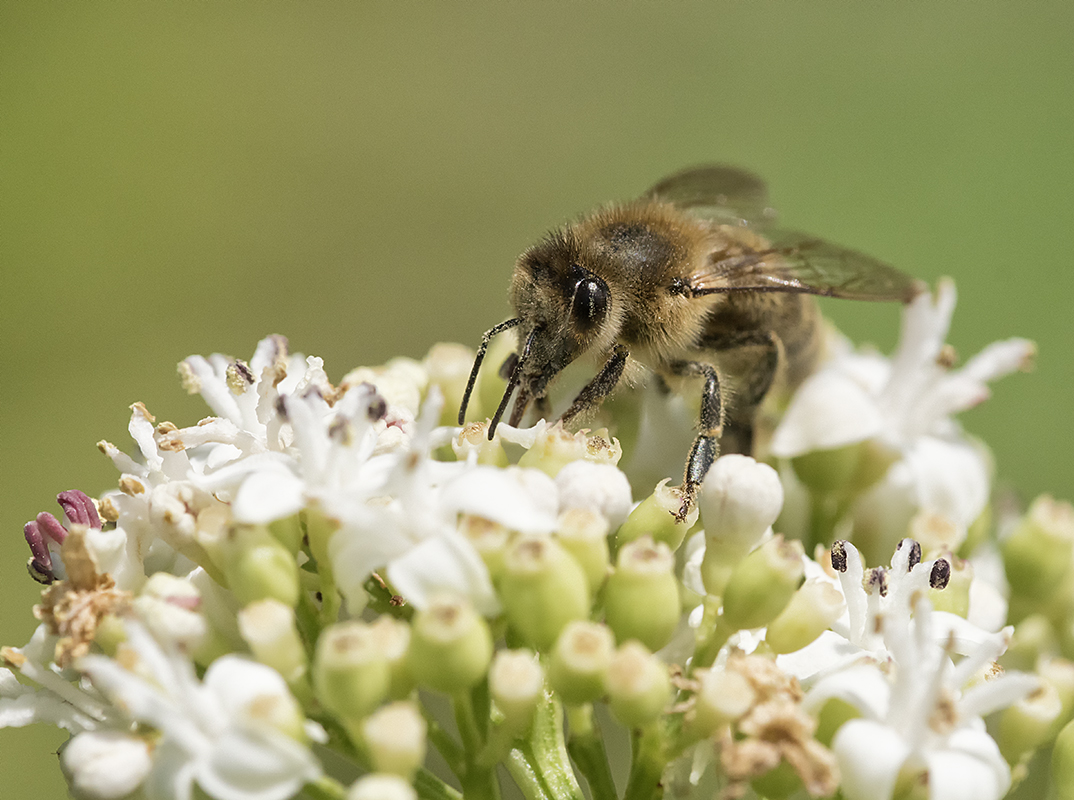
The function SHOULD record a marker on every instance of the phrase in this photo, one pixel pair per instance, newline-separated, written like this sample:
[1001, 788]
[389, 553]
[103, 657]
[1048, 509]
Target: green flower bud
[584, 534]
[1033, 637]
[490, 386]
[833, 714]
[740, 499]
[257, 566]
[826, 471]
[350, 673]
[394, 738]
[580, 661]
[638, 685]
[489, 539]
[516, 684]
[542, 589]
[376, 786]
[1060, 674]
[1029, 723]
[473, 438]
[268, 627]
[1037, 555]
[955, 596]
[762, 584]
[450, 645]
[448, 366]
[288, 532]
[778, 783]
[811, 611]
[392, 639]
[641, 600]
[656, 516]
[722, 697]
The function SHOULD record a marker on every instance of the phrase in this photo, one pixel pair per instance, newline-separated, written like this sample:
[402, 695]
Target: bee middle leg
[706, 446]
[594, 392]
[738, 424]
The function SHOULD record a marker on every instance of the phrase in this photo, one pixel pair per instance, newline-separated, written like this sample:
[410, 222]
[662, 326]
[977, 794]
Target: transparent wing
[789, 261]
[725, 194]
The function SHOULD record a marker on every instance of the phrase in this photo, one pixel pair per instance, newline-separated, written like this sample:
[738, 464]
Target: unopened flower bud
[257, 566]
[553, 449]
[392, 639]
[288, 532]
[740, 499]
[169, 606]
[542, 589]
[450, 645]
[597, 486]
[489, 539]
[105, 765]
[1028, 723]
[641, 600]
[825, 471]
[394, 737]
[516, 683]
[1037, 554]
[638, 685]
[657, 516]
[350, 673]
[811, 611]
[490, 383]
[268, 627]
[377, 786]
[723, 696]
[580, 660]
[762, 584]
[1059, 672]
[584, 534]
[448, 366]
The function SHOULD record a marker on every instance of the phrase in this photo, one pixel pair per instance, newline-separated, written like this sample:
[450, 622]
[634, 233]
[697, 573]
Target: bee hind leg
[706, 448]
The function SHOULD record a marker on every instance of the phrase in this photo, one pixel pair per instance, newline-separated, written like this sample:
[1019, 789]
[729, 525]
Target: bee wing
[789, 261]
[724, 194]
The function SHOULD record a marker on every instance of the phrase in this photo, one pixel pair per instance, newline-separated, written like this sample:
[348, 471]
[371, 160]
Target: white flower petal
[444, 563]
[245, 766]
[969, 768]
[863, 686]
[870, 756]
[524, 500]
[602, 488]
[829, 410]
[269, 495]
[105, 765]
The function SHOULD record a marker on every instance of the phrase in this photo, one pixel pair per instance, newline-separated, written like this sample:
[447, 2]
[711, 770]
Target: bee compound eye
[590, 302]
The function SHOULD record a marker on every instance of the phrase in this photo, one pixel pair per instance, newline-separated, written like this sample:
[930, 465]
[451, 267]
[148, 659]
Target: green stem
[444, 743]
[649, 763]
[523, 768]
[478, 781]
[546, 749]
[307, 622]
[430, 787]
[586, 747]
[708, 646]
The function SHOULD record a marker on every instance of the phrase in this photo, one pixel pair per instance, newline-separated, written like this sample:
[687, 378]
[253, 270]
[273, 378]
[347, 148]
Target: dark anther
[79, 508]
[281, 407]
[877, 578]
[243, 370]
[839, 555]
[915, 551]
[941, 573]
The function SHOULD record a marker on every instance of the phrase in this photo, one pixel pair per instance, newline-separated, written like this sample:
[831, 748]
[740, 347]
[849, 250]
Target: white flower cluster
[208, 624]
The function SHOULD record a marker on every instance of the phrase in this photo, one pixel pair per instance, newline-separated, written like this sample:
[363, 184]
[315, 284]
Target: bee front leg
[594, 392]
[738, 422]
[707, 444]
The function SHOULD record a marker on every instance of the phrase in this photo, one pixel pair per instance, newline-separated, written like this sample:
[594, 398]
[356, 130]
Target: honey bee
[690, 280]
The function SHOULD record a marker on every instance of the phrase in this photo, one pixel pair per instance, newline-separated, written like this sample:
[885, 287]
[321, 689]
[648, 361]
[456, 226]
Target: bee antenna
[497, 329]
[516, 376]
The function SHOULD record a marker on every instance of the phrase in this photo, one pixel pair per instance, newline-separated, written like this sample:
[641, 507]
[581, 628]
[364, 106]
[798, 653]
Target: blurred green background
[361, 177]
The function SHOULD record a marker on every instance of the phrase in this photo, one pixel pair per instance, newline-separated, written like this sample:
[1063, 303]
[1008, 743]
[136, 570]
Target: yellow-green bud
[516, 683]
[722, 697]
[450, 645]
[584, 534]
[656, 516]
[288, 532]
[542, 589]
[641, 600]
[1026, 725]
[811, 611]
[955, 596]
[268, 627]
[392, 639]
[257, 566]
[1037, 555]
[448, 366]
[489, 539]
[1033, 637]
[350, 673]
[473, 438]
[580, 661]
[1060, 674]
[638, 685]
[377, 786]
[394, 737]
[762, 584]
[825, 471]
[778, 783]
[490, 386]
